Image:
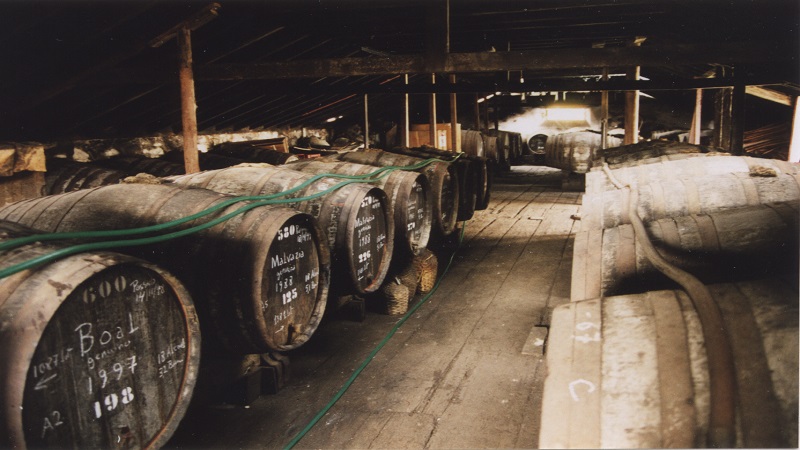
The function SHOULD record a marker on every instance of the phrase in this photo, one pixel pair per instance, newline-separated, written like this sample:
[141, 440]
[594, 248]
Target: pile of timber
[770, 141]
[706, 356]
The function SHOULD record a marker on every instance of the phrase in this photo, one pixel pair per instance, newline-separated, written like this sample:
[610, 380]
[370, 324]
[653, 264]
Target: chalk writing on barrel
[590, 387]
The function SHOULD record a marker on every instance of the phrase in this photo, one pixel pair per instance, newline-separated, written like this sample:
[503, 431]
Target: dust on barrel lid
[98, 351]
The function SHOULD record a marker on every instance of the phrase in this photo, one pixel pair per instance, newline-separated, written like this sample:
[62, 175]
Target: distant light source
[333, 119]
[567, 114]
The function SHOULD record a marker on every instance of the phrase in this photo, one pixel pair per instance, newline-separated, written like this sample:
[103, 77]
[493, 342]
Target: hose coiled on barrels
[259, 200]
[722, 378]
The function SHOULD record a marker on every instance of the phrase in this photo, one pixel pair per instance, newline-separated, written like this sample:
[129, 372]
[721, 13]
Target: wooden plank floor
[465, 371]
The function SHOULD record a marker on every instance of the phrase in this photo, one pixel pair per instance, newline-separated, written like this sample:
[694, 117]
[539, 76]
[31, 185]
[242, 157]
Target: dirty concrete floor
[464, 371]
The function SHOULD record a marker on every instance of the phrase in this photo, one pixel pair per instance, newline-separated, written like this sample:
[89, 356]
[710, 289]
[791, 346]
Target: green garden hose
[259, 200]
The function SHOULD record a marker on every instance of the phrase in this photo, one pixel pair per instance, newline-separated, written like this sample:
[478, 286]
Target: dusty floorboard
[466, 370]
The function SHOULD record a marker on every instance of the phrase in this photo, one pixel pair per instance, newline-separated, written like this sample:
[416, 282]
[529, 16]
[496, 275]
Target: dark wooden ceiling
[89, 69]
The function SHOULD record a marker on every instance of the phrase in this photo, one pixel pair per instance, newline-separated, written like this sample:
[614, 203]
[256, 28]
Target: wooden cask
[495, 152]
[472, 143]
[632, 371]
[253, 153]
[731, 244]
[649, 152]
[575, 151]
[66, 176]
[479, 173]
[259, 280]
[355, 218]
[468, 176]
[699, 166]
[97, 350]
[409, 195]
[133, 165]
[684, 196]
[442, 176]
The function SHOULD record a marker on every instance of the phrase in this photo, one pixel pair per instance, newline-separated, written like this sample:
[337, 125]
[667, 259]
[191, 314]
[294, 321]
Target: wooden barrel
[409, 195]
[253, 153]
[495, 152]
[442, 176]
[575, 151]
[731, 244]
[133, 165]
[685, 196]
[649, 152]
[97, 350]
[66, 176]
[515, 140]
[356, 218]
[472, 143]
[482, 174]
[259, 280]
[698, 166]
[632, 371]
[468, 176]
[208, 161]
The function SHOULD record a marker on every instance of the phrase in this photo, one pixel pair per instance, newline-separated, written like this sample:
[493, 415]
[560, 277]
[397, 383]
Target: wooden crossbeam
[545, 59]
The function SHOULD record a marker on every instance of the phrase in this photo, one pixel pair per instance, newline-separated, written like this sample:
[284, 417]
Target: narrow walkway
[466, 371]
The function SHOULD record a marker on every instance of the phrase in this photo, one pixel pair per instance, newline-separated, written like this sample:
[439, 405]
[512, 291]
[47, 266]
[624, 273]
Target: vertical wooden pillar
[477, 112]
[455, 136]
[697, 122]
[604, 113]
[632, 103]
[738, 116]
[433, 115]
[496, 111]
[794, 146]
[188, 104]
[486, 113]
[722, 118]
[405, 122]
[366, 121]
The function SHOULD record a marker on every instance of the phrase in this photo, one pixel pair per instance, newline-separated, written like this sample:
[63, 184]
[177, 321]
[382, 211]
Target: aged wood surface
[97, 349]
[232, 269]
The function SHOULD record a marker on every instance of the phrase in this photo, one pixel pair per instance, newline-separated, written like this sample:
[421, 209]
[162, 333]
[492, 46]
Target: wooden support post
[496, 111]
[697, 123]
[433, 115]
[604, 113]
[477, 111]
[454, 134]
[632, 103]
[366, 121]
[405, 122]
[738, 118]
[188, 106]
[486, 113]
[794, 146]
[722, 118]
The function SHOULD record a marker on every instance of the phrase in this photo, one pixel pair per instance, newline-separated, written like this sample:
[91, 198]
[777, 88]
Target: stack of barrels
[706, 356]
[500, 147]
[575, 151]
[100, 333]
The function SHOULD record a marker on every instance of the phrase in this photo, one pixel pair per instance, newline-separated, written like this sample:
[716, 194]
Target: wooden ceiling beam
[771, 95]
[719, 53]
